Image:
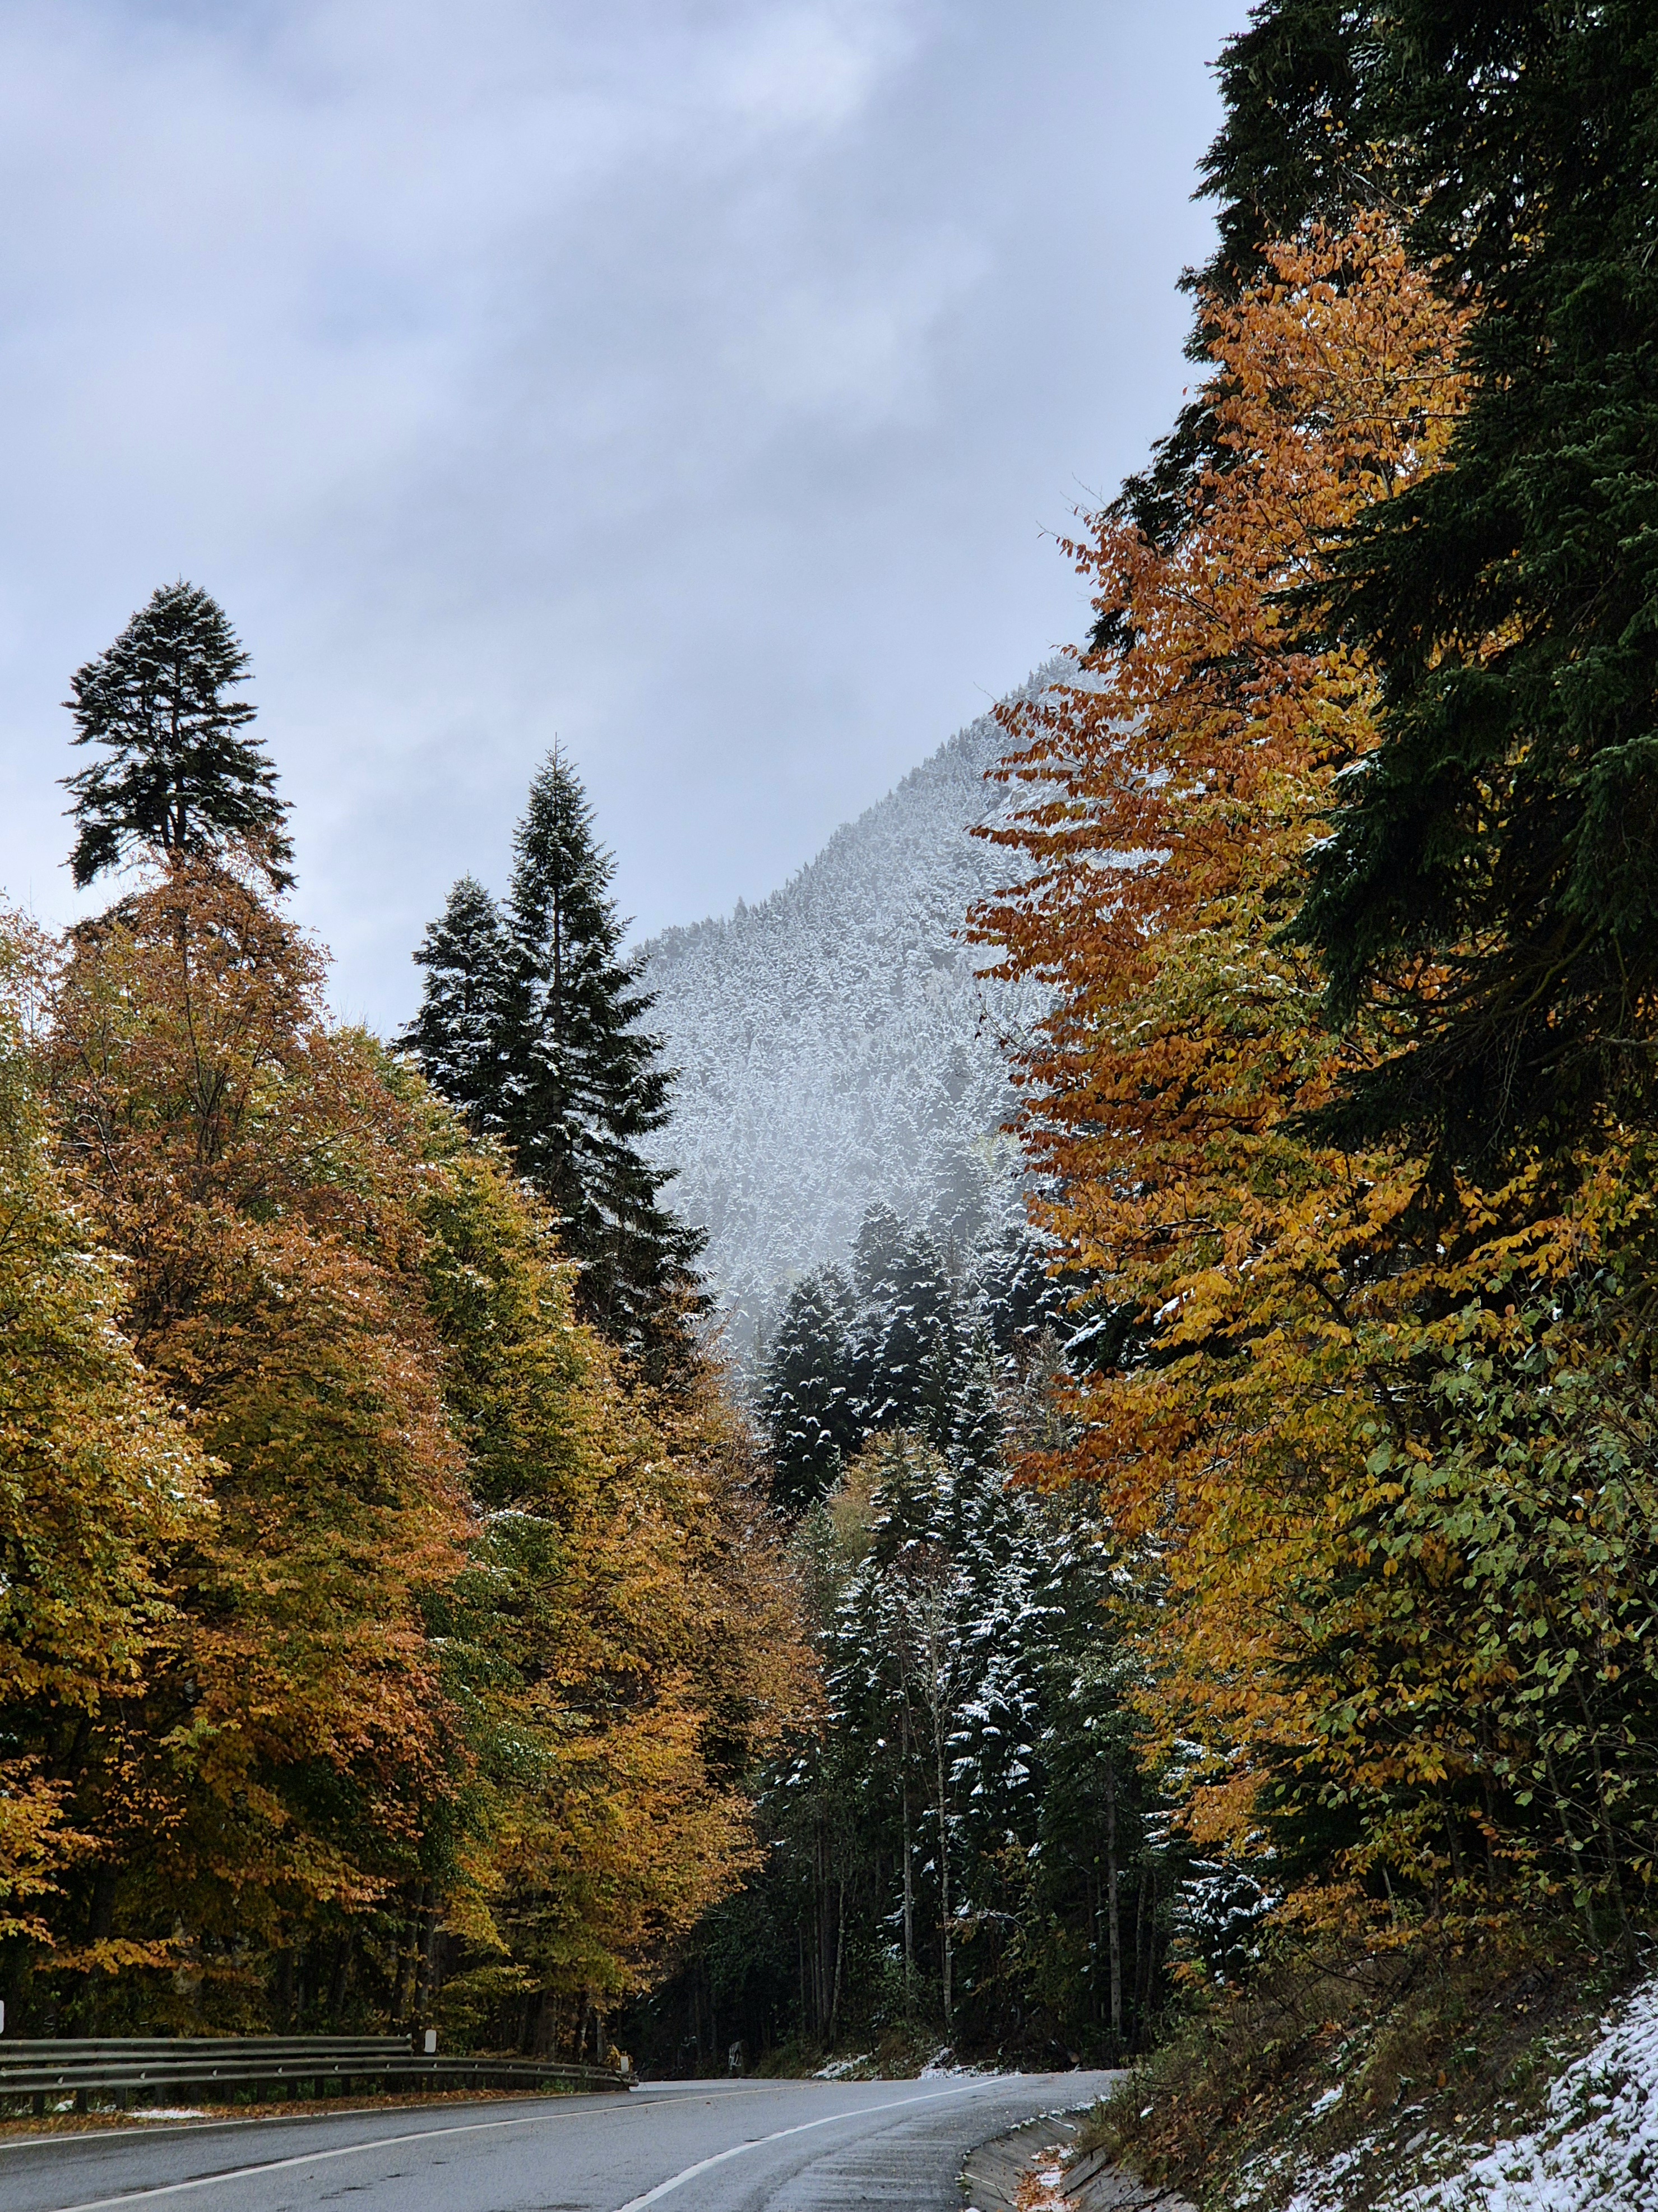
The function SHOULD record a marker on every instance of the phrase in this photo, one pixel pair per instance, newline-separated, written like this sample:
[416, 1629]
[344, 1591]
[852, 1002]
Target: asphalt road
[687, 2146]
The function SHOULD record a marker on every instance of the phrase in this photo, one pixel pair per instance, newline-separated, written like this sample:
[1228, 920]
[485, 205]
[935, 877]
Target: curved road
[687, 2146]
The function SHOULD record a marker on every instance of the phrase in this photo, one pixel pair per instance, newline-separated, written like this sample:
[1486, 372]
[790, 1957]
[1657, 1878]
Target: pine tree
[181, 779]
[458, 1034]
[583, 1084]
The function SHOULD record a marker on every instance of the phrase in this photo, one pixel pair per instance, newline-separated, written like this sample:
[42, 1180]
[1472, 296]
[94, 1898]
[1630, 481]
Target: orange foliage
[98, 1488]
[1169, 791]
[471, 1658]
[250, 1169]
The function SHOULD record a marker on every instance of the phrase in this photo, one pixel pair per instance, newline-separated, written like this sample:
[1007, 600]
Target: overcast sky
[699, 382]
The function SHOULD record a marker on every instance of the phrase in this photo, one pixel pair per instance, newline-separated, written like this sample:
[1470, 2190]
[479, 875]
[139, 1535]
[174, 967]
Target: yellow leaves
[1167, 796]
[633, 1647]
[375, 1577]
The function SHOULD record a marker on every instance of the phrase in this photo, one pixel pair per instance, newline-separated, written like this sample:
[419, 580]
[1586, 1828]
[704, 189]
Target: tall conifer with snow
[181, 777]
[806, 1398]
[529, 1022]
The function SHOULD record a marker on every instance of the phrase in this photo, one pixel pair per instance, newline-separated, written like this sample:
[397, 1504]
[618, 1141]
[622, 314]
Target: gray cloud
[694, 380]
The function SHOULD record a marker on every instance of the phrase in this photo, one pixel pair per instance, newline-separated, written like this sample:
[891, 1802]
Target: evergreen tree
[908, 1344]
[458, 1035]
[583, 1085]
[529, 1023]
[181, 778]
[805, 1397]
[1508, 824]
[1494, 862]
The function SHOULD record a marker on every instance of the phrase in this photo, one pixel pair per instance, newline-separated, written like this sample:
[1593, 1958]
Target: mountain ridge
[838, 1044]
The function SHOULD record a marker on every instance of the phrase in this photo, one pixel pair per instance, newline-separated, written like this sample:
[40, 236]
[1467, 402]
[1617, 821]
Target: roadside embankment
[1518, 2078]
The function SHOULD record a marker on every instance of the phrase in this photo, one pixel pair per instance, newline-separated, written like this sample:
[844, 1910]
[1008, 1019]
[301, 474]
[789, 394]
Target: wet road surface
[687, 2146]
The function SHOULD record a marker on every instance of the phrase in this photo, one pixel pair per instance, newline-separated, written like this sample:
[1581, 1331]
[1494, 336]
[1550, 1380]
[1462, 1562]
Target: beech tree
[100, 1494]
[181, 779]
[248, 1165]
[1245, 1269]
[624, 1639]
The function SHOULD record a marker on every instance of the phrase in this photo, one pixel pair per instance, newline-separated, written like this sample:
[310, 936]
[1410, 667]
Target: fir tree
[1499, 846]
[806, 1399]
[1508, 824]
[583, 1085]
[458, 1035]
[908, 1336]
[181, 778]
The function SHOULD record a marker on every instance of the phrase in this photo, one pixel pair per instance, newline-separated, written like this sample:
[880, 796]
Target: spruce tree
[1501, 841]
[529, 1022]
[1506, 829]
[907, 1336]
[181, 778]
[458, 1035]
[805, 1397]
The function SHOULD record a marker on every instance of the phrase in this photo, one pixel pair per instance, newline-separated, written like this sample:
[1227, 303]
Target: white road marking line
[345, 2150]
[665, 2188]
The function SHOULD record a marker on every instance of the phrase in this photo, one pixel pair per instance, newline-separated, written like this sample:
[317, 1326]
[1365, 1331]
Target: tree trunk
[1113, 1917]
[944, 1859]
[909, 1875]
[839, 1954]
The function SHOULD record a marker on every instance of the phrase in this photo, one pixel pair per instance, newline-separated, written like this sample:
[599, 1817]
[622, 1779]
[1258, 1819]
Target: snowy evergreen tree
[806, 1399]
[970, 1847]
[181, 777]
[458, 1035]
[907, 1338]
[529, 1023]
[583, 1084]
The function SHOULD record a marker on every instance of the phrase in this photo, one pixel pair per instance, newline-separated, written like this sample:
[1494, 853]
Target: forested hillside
[838, 1047]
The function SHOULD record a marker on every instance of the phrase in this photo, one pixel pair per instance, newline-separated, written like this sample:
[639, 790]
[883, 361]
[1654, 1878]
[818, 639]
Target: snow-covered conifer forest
[838, 1047]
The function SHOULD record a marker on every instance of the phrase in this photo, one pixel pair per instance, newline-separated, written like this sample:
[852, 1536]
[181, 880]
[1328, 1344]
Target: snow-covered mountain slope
[837, 1046]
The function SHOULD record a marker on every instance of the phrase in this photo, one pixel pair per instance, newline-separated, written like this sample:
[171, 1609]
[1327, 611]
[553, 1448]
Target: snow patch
[1596, 2149]
[942, 2066]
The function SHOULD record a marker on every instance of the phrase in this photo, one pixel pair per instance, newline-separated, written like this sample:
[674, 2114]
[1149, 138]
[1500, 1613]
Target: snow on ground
[944, 2066]
[1595, 2150]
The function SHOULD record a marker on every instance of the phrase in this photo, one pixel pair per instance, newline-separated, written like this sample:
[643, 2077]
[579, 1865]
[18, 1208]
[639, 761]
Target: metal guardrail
[140, 2068]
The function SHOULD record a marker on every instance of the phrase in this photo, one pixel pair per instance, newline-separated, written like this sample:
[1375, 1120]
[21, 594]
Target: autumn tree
[624, 1639]
[99, 1493]
[1254, 1279]
[247, 1166]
